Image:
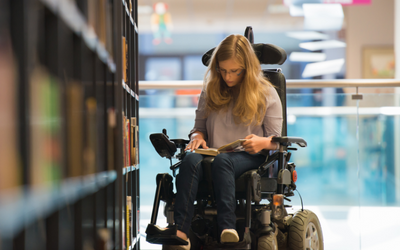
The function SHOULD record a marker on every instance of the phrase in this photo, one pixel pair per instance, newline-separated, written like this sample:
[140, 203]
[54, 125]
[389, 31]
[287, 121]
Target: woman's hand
[196, 140]
[255, 144]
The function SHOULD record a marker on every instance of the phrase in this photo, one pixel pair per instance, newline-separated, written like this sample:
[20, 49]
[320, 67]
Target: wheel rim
[312, 238]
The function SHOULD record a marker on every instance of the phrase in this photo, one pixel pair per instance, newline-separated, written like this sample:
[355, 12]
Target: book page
[231, 146]
[224, 149]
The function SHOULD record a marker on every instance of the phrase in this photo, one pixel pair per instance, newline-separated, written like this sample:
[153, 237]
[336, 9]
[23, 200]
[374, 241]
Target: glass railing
[349, 174]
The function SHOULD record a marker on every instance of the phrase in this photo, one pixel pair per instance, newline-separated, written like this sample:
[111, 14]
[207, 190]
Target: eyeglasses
[232, 71]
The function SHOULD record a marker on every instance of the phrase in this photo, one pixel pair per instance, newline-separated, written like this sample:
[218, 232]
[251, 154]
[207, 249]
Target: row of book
[130, 224]
[80, 130]
[59, 146]
[99, 17]
[62, 141]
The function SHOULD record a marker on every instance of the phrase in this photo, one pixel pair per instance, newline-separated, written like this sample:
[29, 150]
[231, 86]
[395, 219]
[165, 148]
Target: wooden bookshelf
[69, 175]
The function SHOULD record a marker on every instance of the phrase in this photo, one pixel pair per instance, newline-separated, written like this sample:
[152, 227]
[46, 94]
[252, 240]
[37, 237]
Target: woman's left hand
[255, 144]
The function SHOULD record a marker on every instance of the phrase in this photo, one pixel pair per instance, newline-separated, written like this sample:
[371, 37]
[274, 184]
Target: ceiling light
[323, 68]
[307, 57]
[307, 35]
[328, 44]
[348, 2]
[296, 10]
[296, 6]
[323, 16]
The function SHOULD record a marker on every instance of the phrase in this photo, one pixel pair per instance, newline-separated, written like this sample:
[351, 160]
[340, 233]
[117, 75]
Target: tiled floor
[379, 227]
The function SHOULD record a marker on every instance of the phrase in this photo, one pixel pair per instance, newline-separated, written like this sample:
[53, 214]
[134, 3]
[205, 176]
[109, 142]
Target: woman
[236, 102]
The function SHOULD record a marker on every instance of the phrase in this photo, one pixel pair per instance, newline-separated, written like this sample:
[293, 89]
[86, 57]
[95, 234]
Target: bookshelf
[69, 158]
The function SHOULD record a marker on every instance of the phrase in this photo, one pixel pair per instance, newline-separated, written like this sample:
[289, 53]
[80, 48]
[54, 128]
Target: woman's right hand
[196, 140]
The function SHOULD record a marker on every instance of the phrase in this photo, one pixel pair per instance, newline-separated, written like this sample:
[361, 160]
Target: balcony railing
[349, 174]
[294, 84]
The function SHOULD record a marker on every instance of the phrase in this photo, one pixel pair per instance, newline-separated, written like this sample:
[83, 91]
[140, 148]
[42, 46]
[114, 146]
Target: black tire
[267, 242]
[305, 232]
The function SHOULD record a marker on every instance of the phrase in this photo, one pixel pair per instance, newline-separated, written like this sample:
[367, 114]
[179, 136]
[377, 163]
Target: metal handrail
[293, 84]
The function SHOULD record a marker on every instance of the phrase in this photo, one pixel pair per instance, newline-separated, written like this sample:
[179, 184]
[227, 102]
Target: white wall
[367, 25]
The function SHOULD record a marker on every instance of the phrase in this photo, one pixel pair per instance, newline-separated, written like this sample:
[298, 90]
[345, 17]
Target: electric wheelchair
[262, 222]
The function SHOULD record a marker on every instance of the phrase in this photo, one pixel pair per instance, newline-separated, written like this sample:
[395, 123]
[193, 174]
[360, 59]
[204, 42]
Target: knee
[222, 162]
[190, 162]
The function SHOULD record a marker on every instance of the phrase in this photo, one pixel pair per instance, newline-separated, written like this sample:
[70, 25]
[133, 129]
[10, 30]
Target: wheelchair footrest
[165, 236]
[244, 244]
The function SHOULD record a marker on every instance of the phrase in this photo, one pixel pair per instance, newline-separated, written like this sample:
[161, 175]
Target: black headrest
[266, 54]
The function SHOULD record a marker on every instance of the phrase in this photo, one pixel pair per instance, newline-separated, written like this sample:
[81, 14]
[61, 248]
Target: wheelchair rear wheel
[305, 232]
[267, 242]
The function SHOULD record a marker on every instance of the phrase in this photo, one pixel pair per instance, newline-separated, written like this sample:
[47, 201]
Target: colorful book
[45, 128]
[10, 170]
[91, 136]
[111, 124]
[134, 142]
[128, 220]
[74, 122]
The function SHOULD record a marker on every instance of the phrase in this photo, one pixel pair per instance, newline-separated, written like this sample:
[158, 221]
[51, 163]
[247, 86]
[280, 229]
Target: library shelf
[19, 207]
[130, 91]
[72, 176]
[130, 16]
[129, 169]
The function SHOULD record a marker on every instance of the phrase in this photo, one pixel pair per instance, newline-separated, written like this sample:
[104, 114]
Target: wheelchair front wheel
[267, 242]
[305, 232]
[194, 241]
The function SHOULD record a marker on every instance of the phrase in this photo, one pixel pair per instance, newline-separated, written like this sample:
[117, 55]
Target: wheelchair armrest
[163, 146]
[180, 143]
[166, 147]
[287, 141]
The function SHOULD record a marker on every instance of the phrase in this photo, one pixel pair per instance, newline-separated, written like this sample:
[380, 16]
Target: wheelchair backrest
[277, 79]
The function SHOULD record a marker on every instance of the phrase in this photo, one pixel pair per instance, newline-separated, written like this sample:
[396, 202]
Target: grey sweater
[219, 128]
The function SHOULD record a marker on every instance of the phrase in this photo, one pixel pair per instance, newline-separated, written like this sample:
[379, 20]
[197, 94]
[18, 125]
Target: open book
[230, 147]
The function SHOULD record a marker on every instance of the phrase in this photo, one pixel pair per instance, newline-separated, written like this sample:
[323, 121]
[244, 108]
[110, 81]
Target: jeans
[226, 168]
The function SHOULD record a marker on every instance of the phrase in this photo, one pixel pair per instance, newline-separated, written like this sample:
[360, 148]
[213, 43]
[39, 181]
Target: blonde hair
[249, 95]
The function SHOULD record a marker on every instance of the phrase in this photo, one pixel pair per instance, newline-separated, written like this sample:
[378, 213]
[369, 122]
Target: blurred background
[349, 173]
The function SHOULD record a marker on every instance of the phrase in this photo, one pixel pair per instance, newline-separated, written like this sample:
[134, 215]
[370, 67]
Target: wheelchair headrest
[266, 54]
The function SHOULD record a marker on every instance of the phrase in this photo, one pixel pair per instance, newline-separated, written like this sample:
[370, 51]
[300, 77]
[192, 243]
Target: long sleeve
[201, 119]
[272, 124]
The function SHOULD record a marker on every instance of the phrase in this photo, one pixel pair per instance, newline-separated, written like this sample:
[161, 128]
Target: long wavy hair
[249, 96]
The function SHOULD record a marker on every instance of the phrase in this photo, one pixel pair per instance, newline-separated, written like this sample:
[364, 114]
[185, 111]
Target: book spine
[128, 220]
[10, 172]
[91, 128]
[74, 105]
[45, 128]
[111, 125]
[134, 141]
[124, 52]
[127, 145]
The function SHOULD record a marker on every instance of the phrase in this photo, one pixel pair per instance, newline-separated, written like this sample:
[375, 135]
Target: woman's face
[231, 72]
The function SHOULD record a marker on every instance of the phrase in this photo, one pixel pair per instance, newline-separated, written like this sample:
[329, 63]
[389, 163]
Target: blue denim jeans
[225, 169]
